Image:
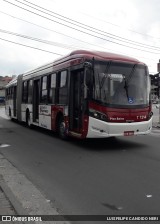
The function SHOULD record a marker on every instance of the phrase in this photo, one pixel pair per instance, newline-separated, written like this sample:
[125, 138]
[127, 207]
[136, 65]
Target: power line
[74, 22]
[49, 42]
[81, 30]
[88, 43]
[37, 39]
[36, 48]
[73, 38]
[33, 47]
[142, 34]
[76, 39]
[87, 27]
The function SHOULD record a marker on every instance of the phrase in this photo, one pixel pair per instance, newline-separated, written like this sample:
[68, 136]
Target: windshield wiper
[106, 72]
[104, 77]
[130, 75]
[126, 85]
[126, 89]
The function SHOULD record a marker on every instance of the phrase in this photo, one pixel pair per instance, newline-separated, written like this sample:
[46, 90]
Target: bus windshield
[121, 84]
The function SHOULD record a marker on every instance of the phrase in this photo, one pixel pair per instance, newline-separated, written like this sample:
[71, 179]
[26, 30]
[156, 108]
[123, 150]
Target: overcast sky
[129, 27]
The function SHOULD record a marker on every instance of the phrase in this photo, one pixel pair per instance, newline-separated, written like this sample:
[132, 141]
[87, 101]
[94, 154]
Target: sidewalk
[18, 196]
[5, 205]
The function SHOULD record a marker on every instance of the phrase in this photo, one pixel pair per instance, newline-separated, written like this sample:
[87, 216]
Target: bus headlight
[98, 115]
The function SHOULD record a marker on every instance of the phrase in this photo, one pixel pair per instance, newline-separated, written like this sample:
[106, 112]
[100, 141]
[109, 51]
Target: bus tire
[61, 128]
[28, 119]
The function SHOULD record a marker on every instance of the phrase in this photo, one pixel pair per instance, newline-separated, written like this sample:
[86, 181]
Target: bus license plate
[128, 133]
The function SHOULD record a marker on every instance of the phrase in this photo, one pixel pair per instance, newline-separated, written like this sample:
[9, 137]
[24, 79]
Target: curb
[23, 195]
[11, 198]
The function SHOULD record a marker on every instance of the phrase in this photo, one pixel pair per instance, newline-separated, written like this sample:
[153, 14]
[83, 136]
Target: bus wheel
[62, 128]
[28, 119]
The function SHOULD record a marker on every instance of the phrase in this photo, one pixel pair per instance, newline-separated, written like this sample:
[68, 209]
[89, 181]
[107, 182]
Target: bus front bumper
[102, 129]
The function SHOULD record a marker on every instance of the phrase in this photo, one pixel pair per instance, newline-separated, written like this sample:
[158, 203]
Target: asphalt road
[117, 176]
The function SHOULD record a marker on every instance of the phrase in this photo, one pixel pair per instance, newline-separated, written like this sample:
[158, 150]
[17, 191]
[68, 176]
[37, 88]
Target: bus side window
[30, 91]
[52, 88]
[25, 92]
[44, 90]
[63, 87]
[63, 79]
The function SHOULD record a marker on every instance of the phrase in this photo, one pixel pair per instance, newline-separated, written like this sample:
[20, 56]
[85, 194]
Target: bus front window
[121, 84]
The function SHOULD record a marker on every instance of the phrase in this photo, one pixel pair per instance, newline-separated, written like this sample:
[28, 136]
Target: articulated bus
[86, 94]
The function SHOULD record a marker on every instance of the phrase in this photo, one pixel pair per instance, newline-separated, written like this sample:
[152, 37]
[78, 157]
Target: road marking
[148, 195]
[4, 145]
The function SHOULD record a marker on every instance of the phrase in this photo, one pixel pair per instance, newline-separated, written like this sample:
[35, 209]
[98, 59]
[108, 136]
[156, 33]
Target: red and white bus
[86, 94]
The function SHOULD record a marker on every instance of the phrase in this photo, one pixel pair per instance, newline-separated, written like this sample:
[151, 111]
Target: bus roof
[97, 55]
[100, 54]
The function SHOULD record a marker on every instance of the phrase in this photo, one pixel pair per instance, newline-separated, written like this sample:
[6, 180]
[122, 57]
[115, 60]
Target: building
[3, 82]
[155, 87]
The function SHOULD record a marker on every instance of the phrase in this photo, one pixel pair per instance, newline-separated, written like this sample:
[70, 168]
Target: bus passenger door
[76, 100]
[36, 92]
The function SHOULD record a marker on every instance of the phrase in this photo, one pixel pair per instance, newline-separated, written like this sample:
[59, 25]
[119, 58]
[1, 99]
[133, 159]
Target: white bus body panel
[24, 108]
[45, 116]
[102, 129]
[9, 107]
